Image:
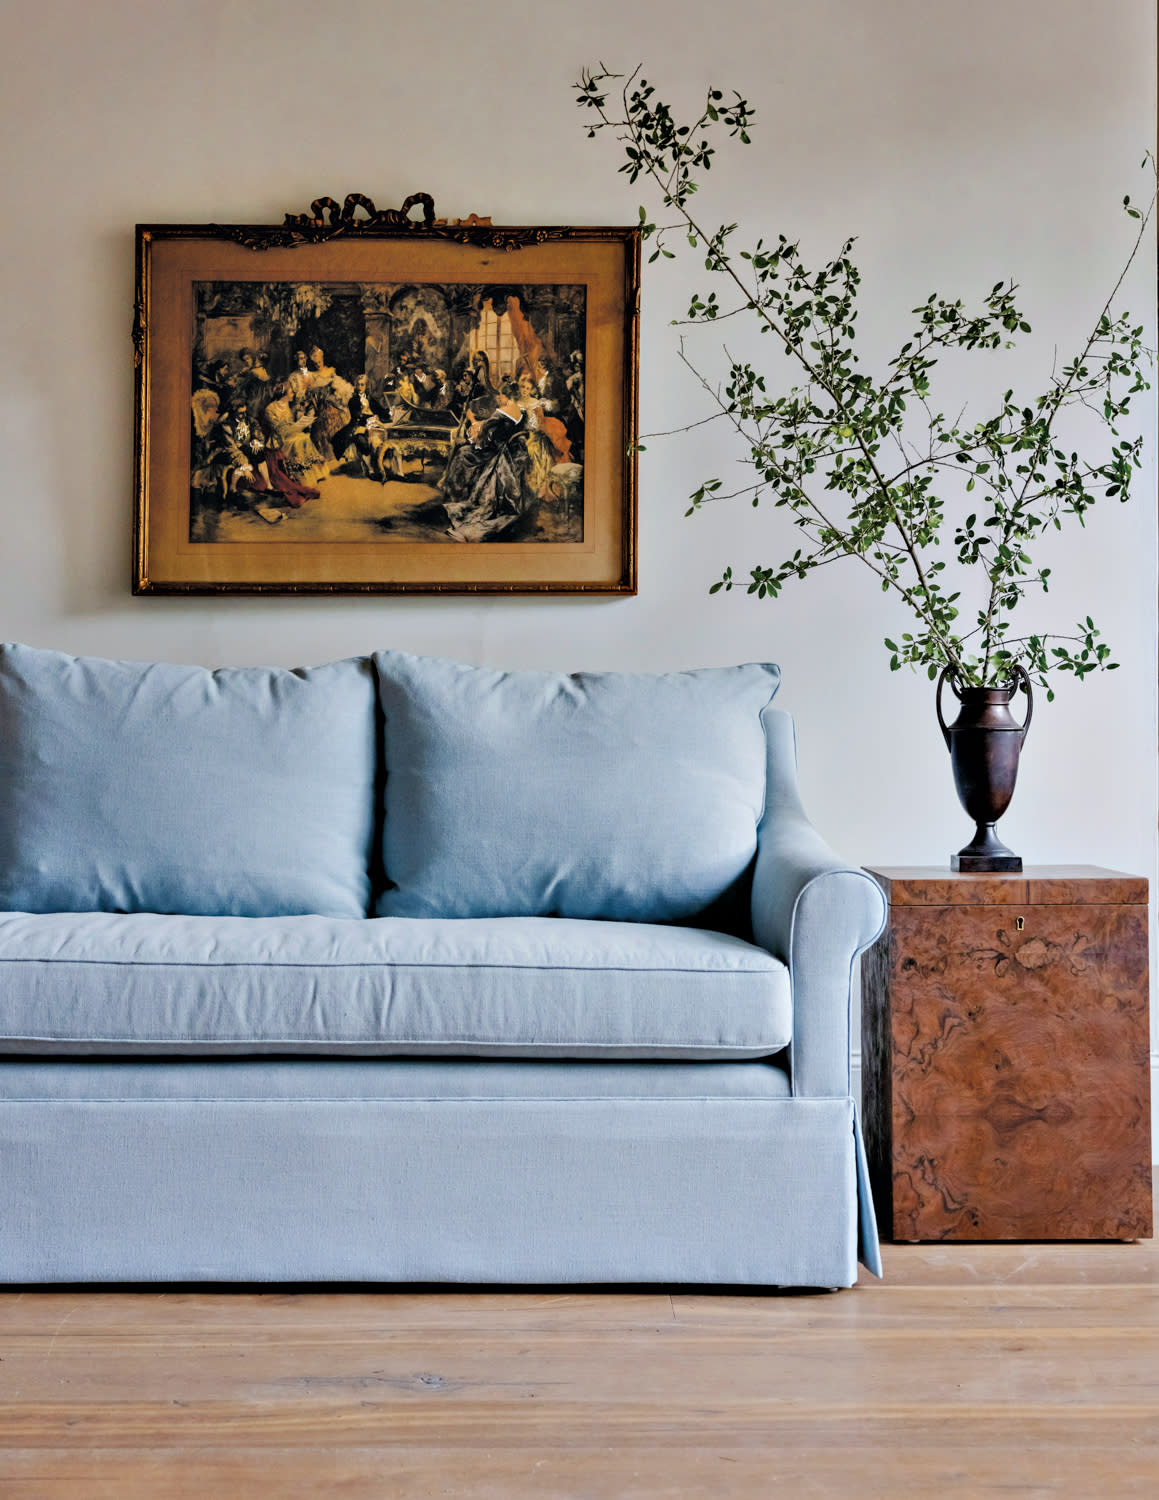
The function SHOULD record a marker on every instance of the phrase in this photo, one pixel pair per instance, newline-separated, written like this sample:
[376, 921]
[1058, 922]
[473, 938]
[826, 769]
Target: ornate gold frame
[357, 242]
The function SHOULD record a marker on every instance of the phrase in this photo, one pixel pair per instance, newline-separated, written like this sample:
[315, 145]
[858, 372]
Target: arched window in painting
[494, 336]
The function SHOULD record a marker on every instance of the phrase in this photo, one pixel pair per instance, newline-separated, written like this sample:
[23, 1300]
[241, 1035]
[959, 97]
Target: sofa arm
[814, 912]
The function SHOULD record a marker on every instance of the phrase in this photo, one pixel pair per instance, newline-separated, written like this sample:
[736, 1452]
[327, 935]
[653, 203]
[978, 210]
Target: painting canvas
[344, 412]
[374, 405]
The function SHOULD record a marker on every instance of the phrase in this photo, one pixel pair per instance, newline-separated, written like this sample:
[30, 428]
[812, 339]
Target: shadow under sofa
[637, 1071]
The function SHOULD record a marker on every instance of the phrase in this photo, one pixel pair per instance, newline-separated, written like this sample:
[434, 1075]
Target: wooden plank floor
[1028, 1370]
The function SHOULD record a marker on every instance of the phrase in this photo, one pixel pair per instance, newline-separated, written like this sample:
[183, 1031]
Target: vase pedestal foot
[986, 864]
[986, 854]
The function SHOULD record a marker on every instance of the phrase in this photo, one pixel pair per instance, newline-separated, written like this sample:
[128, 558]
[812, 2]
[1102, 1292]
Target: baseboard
[1154, 1098]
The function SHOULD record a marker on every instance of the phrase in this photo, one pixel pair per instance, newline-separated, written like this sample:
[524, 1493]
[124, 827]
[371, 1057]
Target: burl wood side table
[1005, 1056]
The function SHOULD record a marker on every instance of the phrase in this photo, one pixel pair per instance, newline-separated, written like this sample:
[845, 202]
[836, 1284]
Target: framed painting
[361, 401]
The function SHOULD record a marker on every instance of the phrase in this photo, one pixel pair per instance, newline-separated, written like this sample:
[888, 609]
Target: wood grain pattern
[872, 1459]
[1007, 1077]
[969, 1369]
[916, 885]
[1066, 885]
[1093, 888]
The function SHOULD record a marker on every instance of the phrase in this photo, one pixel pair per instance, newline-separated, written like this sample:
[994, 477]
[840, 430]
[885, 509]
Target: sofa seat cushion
[79, 984]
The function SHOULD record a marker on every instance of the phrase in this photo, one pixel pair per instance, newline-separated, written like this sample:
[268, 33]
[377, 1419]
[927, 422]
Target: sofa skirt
[468, 1172]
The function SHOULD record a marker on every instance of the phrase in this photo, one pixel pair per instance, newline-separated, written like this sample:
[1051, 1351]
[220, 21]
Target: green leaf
[844, 502]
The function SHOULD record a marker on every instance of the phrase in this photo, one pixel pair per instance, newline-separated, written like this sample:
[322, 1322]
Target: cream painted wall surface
[963, 143]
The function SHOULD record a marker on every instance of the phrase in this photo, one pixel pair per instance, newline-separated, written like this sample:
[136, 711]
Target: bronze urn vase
[984, 742]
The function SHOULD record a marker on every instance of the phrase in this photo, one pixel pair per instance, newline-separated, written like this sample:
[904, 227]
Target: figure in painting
[248, 469]
[574, 410]
[298, 382]
[331, 397]
[256, 473]
[285, 488]
[547, 440]
[366, 433]
[549, 384]
[290, 437]
[426, 386]
[404, 387]
[252, 381]
[209, 450]
[444, 393]
[481, 395]
[229, 459]
[485, 487]
[215, 376]
[461, 394]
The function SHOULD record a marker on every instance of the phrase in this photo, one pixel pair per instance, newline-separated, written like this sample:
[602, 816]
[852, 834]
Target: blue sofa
[402, 970]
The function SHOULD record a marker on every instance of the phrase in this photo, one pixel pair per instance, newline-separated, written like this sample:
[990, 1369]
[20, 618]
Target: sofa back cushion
[144, 787]
[599, 794]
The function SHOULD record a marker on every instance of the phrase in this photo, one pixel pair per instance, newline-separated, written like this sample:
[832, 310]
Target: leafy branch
[818, 448]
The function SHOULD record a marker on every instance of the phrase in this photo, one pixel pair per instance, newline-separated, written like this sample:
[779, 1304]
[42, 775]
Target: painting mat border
[172, 258]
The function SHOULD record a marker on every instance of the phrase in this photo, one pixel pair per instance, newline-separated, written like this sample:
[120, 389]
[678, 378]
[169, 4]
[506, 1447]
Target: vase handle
[1022, 680]
[951, 674]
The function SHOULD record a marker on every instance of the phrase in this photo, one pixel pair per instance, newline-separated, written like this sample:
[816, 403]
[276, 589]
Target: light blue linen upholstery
[817, 914]
[510, 987]
[325, 1078]
[485, 1181]
[599, 1146]
[132, 786]
[591, 795]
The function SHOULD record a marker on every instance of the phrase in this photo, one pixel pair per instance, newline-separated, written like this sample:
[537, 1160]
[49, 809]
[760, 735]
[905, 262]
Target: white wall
[963, 142]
